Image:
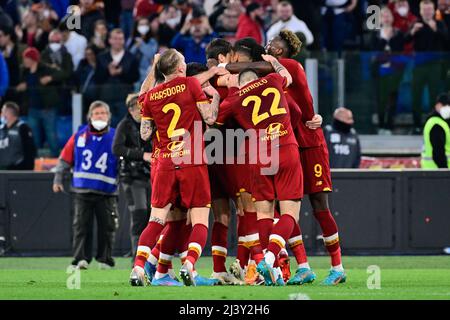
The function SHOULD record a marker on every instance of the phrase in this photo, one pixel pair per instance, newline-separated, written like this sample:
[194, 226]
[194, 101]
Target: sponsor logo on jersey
[176, 148]
[273, 131]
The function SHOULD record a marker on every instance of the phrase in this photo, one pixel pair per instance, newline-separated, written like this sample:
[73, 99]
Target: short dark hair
[250, 48]
[9, 32]
[194, 68]
[443, 98]
[14, 107]
[216, 47]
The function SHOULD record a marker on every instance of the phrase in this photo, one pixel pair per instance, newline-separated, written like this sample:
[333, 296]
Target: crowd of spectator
[45, 55]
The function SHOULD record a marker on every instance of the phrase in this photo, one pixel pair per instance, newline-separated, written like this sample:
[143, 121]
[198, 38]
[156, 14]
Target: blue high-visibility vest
[95, 165]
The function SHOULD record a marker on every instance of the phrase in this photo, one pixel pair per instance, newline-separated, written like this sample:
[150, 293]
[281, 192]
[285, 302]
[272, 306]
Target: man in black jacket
[117, 70]
[17, 149]
[134, 168]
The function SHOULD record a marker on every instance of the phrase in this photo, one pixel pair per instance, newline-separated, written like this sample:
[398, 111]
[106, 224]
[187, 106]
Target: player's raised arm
[209, 111]
[261, 67]
[278, 67]
[149, 82]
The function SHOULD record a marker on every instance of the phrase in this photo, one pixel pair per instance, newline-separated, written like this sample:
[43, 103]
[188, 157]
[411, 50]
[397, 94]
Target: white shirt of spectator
[294, 24]
[117, 57]
[334, 3]
[76, 45]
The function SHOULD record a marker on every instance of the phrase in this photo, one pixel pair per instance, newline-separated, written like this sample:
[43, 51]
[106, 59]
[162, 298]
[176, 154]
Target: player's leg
[322, 213]
[219, 235]
[303, 274]
[168, 247]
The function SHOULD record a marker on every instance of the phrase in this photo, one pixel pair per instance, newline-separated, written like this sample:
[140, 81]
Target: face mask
[173, 22]
[3, 120]
[445, 112]
[99, 124]
[143, 29]
[403, 11]
[55, 46]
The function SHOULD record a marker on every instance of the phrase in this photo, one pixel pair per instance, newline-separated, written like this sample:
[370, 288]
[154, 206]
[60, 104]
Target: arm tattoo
[147, 127]
[210, 111]
[278, 67]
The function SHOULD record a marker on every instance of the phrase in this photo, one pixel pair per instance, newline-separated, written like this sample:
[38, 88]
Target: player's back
[262, 105]
[173, 107]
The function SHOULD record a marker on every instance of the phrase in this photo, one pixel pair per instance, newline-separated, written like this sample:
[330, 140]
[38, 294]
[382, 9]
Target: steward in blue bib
[95, 166]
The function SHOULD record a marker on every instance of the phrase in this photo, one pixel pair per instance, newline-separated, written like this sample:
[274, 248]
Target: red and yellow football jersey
[300, 93]
[173, 107]
[261, 105]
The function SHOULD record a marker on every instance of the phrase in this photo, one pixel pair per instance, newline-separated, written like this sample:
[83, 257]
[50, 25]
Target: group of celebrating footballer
[258, 90]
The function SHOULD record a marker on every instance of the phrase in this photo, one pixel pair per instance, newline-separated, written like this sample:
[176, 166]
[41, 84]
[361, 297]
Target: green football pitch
[401, 277]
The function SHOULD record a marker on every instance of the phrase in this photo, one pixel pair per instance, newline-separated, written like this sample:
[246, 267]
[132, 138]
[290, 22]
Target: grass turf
[404, 277]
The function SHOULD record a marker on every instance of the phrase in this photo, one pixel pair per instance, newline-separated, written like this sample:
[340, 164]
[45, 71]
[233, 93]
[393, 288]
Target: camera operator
[134, 168]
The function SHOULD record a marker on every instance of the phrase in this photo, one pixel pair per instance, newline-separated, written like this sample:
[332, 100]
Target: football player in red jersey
[261, 105]
[314, 157]
[177, 108]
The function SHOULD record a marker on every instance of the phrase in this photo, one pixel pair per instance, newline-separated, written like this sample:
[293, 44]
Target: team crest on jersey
[274, 131]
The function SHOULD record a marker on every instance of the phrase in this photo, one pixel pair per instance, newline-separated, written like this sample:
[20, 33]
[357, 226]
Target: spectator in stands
[57, 57]
[403, 19]
[90, 14]
[47, 17]
[12, 52]
[436, 135]
[310, 13]
[171, 16]
[42, 98]
[89, 153]
[389, 65]
[145, 8]
[126, 16]
[32, 34]
[144, 47]
[74, 42]
[116, 72]
[443, 12]
[17, 149]
[226, 20]
[193, 45]
[250, 24]
[85, 78]
[99, 40]
[161, 32]
[342, 140]
[134, 169]
[4, 77]
[430, 39]
[334, 23]
[287, 20]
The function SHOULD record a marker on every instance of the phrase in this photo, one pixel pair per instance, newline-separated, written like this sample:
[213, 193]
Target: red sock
[296, 244]
[280, 233]
[219, 239]
[157, 248]
[242, 251]
[184, 241]
[330, 235]
[197, 242]
[168, 247]
[264, 228]
[147, 240]
[253, 241]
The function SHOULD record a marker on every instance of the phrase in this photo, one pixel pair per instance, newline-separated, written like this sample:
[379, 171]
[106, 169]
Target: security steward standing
[436, 136]
[134, 168]
[94, 183]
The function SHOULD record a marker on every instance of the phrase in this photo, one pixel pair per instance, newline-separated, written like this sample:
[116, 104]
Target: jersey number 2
[171, 131]
[274, 108]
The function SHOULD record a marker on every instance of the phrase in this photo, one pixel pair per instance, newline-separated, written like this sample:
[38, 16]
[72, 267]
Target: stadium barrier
[378, 212]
